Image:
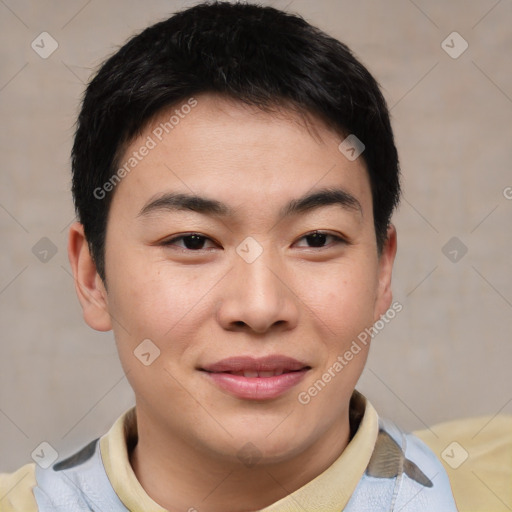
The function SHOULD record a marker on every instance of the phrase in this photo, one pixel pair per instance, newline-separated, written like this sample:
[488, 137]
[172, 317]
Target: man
[234, 176]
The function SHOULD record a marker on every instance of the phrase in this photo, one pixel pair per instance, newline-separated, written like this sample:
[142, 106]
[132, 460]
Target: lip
[226, 375]
[258, 364]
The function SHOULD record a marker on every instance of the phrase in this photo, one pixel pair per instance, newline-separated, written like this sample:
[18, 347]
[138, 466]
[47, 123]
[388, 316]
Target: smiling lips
[256, 378]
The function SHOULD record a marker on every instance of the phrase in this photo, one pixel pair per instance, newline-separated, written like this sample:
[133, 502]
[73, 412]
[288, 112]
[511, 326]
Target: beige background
[446, 355]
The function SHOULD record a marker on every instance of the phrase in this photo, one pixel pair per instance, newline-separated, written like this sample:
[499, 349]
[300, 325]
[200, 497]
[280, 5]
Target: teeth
[263, 374]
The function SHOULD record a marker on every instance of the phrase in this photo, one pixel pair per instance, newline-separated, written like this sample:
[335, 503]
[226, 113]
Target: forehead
[237, 153]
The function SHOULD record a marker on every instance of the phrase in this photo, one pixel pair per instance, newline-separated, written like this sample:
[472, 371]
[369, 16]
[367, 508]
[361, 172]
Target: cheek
[342, 297]
[153, 306]
[157, 301]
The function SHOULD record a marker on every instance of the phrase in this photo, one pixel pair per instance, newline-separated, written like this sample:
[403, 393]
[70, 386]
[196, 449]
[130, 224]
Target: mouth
[268, 366]
[251, 374]
[256, 378]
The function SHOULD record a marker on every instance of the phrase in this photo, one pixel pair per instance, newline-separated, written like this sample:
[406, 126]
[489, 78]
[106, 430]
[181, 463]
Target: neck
[182, 477]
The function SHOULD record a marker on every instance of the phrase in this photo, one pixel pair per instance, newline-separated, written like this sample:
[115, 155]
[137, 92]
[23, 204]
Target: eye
[318, 239]
[191, 241]
[196, 242]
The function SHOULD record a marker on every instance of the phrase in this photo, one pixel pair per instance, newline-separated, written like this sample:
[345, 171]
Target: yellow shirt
[476, 453]
[328, 492]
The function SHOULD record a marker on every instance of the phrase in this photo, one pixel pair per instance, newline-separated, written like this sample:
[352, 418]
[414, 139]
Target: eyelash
[170, 242]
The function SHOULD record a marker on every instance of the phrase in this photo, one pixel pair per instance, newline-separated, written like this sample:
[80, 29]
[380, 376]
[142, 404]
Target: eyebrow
[310, 201]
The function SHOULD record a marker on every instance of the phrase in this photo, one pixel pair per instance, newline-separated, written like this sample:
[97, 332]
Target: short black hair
[255, 54]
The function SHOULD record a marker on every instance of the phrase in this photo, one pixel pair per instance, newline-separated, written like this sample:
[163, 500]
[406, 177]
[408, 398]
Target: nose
[258, 297]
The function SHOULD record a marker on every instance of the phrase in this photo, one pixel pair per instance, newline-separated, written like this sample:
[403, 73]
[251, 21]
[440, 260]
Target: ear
[88, 284]
[386, 260]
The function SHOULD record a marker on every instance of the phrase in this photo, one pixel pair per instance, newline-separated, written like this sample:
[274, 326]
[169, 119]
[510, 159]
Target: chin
[270, 448]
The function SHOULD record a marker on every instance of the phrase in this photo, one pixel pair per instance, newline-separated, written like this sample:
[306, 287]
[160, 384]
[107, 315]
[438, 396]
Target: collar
[330, 491]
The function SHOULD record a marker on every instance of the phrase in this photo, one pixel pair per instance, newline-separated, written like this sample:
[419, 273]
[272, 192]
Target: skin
[297, 299]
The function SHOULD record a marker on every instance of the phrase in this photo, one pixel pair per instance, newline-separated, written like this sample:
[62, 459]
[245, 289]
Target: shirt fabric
[380, 469]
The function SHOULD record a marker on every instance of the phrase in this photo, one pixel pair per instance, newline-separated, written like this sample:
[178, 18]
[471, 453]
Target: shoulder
[425, 484]
[78, 482]
[403, 474]
[477, 456]
[16, 490]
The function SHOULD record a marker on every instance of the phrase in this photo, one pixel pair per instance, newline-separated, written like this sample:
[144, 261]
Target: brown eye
[319, 239]
[191, 242]
[316, 239]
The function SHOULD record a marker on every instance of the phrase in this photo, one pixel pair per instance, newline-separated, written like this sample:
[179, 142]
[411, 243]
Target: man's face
[247, 280]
